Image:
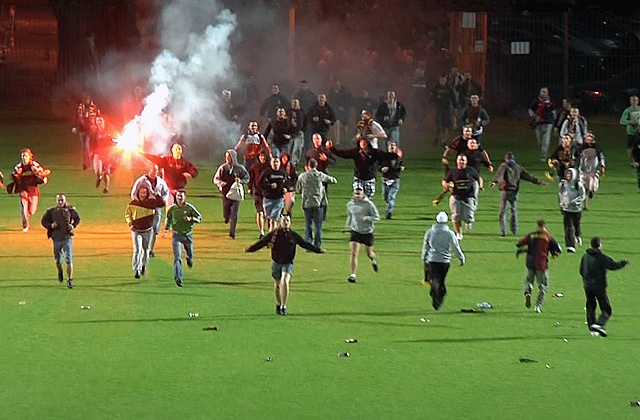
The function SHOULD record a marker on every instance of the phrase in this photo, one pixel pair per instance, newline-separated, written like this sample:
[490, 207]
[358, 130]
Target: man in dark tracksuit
[593, 269]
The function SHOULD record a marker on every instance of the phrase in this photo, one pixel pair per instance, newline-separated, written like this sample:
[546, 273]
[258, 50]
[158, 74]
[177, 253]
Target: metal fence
[558, 50]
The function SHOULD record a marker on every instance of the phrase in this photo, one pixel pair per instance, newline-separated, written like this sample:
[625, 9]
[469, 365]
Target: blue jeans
[510, 198]
[390, 188]
[543, 135]
[62, 249]
[297, 148]
[230, 213]
[178, 240]
[281, 149]
[393, 133]
[313, 216]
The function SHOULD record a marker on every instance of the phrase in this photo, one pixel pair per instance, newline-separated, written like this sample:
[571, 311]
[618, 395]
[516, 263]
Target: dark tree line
[87, 29]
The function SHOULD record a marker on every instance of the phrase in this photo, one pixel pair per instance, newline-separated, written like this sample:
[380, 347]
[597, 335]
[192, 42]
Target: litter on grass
[351, 340]
[527, 360]
[22, 302]
[559, 294]
[210, 329]
[471, 311]
[484, 305]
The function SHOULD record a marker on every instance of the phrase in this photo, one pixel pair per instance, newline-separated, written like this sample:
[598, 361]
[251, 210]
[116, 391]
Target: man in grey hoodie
[314, 199]
[436, 257]
[228, 173]
[361, 216]
[571, 195]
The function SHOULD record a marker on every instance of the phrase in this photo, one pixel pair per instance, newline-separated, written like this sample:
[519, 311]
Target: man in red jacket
[176, 170]
[538, 245]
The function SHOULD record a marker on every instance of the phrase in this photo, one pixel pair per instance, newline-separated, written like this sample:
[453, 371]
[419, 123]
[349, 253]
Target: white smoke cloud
[188, 76]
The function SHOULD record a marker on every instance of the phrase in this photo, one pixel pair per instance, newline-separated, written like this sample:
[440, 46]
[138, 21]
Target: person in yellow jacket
[139, 215]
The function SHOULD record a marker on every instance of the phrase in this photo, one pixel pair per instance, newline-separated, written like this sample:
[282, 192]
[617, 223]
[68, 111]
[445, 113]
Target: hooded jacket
[510, 173]
[361, 216]
[594, 266]
[437, 245]
[226, 174]
[571, 194]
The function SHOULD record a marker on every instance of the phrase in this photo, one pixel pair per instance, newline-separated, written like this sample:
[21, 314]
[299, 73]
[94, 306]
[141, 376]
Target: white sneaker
[26, 229]
[599, 329]
[459, 236]
[579, 240]
[469, 226]
[537, 309]
[571, 250]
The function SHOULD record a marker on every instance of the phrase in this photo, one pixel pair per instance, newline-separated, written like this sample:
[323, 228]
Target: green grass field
[137, 354]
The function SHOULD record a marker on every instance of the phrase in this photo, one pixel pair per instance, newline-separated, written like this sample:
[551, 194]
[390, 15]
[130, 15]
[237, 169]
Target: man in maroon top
[176, 170]
[538, 245]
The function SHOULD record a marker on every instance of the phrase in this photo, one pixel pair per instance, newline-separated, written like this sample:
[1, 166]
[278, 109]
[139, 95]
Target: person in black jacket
[593, 269]
[61, 222]
[255, 172]
[282, 242]
[391, 115]
[391, 169]
[320, 117]
[282, 133]
[364, 158]
[273, 186]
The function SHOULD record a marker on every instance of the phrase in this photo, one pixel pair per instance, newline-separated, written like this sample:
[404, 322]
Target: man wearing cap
[436, 257]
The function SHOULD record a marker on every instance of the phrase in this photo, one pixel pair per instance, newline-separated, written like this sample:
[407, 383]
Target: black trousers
[571, 227]
[437, 272]
[597, 297]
